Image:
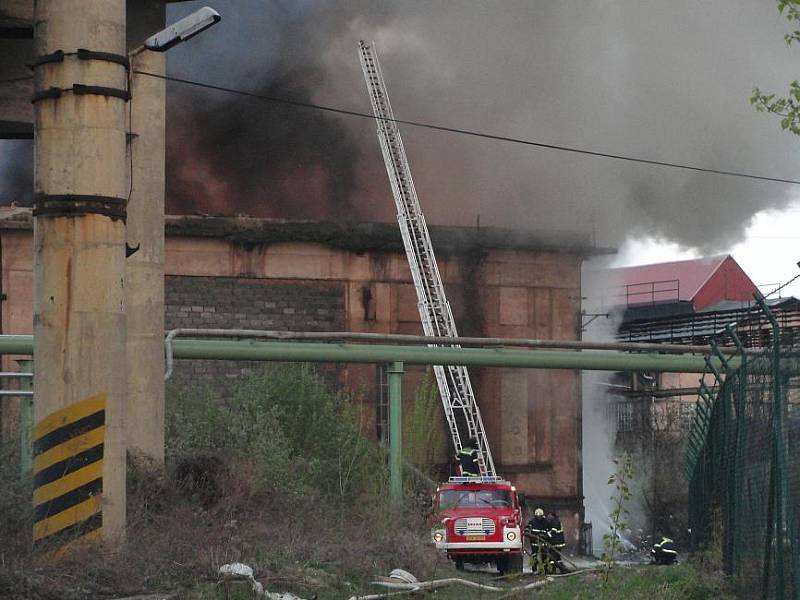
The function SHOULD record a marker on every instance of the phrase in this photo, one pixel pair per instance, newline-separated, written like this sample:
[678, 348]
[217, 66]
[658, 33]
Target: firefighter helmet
[538, 512]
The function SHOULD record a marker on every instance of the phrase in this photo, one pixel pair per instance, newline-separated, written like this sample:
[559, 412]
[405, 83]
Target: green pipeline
[595, 360]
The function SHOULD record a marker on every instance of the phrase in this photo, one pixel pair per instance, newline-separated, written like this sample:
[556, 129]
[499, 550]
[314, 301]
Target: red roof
[701, 281]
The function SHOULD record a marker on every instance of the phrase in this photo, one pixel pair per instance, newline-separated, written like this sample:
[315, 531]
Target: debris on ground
[284, 596]
[236, 571]
[240, 572]
[403, 576]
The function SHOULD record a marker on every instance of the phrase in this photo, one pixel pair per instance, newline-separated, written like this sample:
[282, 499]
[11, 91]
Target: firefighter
[468, 459]
[537, 532]
[555, 538]
[664, 552]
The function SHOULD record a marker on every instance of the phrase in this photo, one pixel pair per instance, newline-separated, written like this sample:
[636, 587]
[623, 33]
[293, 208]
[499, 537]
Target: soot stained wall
[244, 303]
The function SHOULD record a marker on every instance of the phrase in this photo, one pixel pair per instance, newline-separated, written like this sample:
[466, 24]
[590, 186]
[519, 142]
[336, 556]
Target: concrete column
[80, 170]
[144, 270]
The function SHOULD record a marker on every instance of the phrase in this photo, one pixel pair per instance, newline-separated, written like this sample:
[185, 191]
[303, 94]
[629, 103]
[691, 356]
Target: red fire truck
[478, 520]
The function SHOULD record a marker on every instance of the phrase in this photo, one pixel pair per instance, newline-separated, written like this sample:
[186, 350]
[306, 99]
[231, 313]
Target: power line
[469, 132]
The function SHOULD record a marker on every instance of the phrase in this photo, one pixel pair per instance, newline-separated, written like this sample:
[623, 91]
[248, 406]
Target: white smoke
[599, 431]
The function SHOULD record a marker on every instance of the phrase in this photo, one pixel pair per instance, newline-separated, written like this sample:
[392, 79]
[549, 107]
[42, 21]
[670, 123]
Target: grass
[685, 581]
[680, 582]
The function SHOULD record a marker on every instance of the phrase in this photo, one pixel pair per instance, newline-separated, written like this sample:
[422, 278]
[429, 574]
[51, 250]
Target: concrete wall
[532, 417]
[245, 303]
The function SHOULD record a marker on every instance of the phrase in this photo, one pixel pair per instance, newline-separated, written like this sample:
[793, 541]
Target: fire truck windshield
[459, 499]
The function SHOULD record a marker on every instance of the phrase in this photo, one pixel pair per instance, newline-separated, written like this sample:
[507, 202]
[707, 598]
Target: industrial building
[315, 276]
[685, 302]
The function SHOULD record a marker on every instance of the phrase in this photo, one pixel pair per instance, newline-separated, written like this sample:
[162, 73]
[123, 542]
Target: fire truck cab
[478, 520]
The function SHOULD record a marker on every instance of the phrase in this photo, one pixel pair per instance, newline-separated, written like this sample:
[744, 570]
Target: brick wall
[245, 303]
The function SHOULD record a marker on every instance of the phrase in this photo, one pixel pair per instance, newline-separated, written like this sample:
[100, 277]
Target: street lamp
[144, 272]
[180, 31]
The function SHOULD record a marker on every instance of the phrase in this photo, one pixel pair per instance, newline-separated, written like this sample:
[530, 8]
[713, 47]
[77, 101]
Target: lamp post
[144, 267]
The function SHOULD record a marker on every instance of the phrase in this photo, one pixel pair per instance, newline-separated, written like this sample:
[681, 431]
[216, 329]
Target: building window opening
[368, 302]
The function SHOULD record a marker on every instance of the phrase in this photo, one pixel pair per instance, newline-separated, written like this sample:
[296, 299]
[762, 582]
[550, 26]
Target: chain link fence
[743, 461]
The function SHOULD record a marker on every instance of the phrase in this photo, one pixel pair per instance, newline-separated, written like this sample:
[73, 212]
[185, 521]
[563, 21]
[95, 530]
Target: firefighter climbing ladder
[461, 410]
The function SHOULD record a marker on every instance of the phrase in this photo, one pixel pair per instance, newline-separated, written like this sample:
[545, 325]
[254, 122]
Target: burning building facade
[315, 276]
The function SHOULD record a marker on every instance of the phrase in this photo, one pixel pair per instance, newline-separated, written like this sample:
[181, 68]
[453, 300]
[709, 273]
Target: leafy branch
[791, 10]
[622, 493]
[789, 107]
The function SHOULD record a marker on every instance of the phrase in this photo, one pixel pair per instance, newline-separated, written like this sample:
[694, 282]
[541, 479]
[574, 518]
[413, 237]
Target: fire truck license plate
[475, 538]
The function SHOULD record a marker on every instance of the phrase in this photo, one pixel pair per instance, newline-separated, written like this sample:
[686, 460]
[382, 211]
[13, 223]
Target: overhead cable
[469, 132]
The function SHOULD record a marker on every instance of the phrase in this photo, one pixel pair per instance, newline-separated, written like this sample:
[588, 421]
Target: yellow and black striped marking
[68, 474]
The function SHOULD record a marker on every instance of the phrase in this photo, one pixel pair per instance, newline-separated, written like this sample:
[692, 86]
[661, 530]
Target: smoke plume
[663, 81]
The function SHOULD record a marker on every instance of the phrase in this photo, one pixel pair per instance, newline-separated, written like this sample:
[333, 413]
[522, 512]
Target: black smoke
[662, 81]
[244, 158]
[235, 155]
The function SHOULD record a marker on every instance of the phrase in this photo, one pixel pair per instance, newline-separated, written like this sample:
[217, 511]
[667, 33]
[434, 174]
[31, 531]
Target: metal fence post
[778, 471]
[738, 521]
[25, 420]
[395, 375]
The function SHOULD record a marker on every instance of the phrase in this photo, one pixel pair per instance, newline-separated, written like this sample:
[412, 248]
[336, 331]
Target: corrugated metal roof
[665, 282]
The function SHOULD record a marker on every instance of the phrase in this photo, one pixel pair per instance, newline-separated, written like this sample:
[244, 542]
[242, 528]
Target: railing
[700, 328]
[645, 292]
[25, 394]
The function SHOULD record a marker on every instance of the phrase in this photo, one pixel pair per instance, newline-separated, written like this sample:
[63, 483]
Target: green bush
[296, 434]
[196, 423]
[423, 440]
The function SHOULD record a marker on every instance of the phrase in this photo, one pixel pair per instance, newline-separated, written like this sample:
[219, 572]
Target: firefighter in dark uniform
[555, 538]
[664, 552]
[468, 459]
[537, 532]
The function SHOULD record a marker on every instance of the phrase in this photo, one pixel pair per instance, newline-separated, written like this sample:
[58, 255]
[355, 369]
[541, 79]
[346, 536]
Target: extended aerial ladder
[460, 409]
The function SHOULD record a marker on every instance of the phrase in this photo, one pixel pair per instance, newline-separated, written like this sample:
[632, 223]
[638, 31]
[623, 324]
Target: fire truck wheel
[503, 565]
[460, 564]
[515, 563]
